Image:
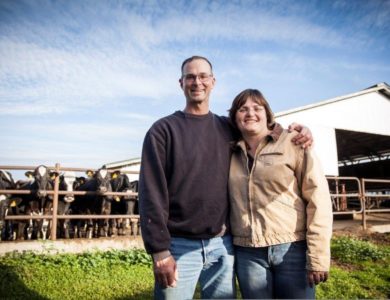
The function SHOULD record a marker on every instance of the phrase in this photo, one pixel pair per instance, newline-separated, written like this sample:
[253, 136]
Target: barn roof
[382, 88]
[351, 136]
[123, 163]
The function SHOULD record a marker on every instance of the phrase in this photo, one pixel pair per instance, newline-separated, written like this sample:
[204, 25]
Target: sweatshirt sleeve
[153, 192]
[315, 191]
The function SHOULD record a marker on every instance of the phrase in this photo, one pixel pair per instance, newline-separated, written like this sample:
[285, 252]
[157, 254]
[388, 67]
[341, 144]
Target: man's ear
[181, 82]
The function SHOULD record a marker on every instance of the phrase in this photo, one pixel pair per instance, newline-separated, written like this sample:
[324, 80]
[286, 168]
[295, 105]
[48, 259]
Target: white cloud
[117, 63]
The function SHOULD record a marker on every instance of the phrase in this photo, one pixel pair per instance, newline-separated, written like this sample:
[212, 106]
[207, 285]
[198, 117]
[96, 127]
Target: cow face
[6, 182]
[103, 180]
[67, 183]
[42, 180]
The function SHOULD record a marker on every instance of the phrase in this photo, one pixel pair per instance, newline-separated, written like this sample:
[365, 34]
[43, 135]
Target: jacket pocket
[285, 215]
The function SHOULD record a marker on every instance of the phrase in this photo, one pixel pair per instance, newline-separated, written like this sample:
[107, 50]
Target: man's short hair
[190, 59]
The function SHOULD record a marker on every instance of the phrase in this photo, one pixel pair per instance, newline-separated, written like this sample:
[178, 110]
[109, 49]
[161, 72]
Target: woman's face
[251, 118]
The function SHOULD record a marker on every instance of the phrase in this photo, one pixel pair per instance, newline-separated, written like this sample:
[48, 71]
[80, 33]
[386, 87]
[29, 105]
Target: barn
[131, 166]
[351, 132]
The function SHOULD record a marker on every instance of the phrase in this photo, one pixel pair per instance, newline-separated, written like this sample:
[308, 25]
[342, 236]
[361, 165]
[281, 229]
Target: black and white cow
[6, 183]
[98, 204]
[68, 182]
[36, 203]
[122, 205]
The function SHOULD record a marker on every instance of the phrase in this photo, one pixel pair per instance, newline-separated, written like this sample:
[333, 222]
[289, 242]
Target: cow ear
[81, 179]
[29, 174]
[53, 174]
[115, 174]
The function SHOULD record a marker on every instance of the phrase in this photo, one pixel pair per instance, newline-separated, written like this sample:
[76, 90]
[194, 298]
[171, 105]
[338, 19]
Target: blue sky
[82, 81]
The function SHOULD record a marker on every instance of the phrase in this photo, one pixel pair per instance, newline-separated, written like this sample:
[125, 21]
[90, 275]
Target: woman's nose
[250, 112]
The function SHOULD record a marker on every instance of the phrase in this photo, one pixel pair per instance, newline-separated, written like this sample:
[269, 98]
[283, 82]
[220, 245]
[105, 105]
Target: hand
[303, 138]
[315, 277]
[165, 272]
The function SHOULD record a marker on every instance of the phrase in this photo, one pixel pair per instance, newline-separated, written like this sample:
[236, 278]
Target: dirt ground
[378, 227]
[379, 238]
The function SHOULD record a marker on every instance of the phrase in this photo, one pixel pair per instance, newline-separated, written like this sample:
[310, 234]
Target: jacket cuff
[161, 255]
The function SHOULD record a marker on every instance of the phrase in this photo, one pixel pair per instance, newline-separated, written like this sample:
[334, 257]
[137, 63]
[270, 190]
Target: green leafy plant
[347, 249]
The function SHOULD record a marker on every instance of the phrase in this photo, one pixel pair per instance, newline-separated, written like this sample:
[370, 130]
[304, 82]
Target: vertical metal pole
[363, 195]
[336, 182]
[55, 204]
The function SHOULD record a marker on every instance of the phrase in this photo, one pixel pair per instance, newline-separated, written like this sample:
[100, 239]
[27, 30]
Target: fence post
[55, 203]
[363, 195]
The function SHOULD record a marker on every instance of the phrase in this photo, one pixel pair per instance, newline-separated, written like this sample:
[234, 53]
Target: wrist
[161, 255]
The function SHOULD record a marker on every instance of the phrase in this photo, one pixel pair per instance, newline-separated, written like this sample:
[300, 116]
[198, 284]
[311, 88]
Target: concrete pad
[72, 246]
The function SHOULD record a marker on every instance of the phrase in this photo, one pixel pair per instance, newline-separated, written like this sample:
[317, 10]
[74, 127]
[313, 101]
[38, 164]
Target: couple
[279, 205]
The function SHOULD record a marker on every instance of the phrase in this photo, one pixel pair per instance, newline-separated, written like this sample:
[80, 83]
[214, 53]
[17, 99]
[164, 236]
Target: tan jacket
[285, 198]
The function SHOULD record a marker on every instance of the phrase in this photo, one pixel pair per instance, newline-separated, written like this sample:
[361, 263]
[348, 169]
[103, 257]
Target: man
[183, 193]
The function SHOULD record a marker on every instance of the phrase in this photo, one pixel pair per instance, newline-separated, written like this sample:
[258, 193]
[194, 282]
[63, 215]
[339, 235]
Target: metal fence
[134, 219]
[349, 195]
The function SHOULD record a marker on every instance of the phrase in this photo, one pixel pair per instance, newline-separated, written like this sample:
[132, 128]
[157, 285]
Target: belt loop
[204, 251]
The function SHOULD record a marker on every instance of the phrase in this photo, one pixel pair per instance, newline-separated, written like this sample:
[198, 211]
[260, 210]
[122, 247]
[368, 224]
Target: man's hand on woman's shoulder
[303, 138]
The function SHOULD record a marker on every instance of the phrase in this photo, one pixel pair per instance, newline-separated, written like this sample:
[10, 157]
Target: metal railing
[378, 196]
[340, 197]
[134, 219]
[360, 191]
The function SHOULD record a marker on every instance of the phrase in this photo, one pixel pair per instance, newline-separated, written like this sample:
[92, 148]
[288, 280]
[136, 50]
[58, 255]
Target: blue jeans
[277, 271]
[209, 261]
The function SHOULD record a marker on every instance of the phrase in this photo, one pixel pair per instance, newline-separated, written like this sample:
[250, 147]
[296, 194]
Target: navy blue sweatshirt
[183, 187]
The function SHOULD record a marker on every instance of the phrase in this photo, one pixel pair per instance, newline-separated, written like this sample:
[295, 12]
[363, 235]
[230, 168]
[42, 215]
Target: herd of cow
[38, 202]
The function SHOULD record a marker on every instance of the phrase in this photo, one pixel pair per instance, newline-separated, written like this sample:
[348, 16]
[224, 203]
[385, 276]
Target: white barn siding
[368, 113]
[135, 167]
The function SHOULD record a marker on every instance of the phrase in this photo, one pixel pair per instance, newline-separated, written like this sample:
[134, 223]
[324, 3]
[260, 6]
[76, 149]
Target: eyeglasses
[190, 78]
[256, 109]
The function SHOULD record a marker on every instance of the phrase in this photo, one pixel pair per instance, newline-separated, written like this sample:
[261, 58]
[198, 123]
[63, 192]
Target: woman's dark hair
[256, 96]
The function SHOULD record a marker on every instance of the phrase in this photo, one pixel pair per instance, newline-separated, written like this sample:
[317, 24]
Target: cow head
[6, 180]
[79, 182]
[67, 183]
[116, 183]
[103, 180]
[42, 180]
[6, 183]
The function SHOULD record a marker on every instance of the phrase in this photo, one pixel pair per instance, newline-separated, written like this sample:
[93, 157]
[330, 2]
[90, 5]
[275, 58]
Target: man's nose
[197, 80]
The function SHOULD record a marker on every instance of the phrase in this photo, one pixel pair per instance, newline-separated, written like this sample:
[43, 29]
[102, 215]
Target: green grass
[360, 270]
[100, 275]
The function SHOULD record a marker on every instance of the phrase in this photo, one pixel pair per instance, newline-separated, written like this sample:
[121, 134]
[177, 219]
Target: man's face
[197, 81]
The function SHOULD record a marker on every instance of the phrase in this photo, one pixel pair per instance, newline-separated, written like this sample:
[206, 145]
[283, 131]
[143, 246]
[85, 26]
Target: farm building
[351, 132]
[132, 165]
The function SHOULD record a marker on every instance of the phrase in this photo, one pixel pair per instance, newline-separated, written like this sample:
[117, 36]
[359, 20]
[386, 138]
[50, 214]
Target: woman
[281, 215]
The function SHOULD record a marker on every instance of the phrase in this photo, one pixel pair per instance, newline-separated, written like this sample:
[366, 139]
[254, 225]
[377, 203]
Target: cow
[98, 204]
[122, 205]
[38, 202]
[6, 183]
[68, 182]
